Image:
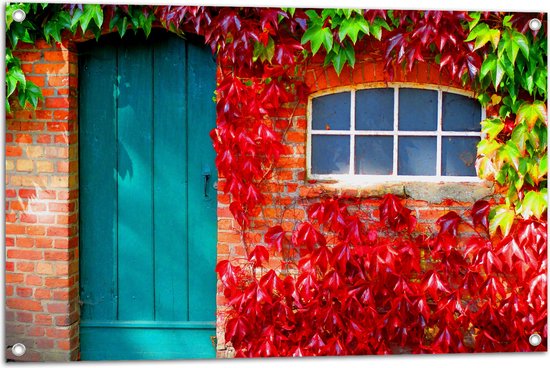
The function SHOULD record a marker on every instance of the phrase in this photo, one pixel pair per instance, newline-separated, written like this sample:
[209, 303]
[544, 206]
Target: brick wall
[41, 309]
[42, 196]
[289, 192]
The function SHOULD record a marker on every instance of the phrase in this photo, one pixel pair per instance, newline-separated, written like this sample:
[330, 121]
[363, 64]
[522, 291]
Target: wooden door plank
[202, 209]
[104, 343]
[170, 180]
[98, 187]
[135, 221]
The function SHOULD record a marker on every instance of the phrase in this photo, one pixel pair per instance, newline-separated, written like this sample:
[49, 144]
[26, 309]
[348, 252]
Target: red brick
[43, 319]
[13, 151]
[15, 229]
[25, 266]
[61, 138]
[25, 217]
[58, 333]
[10, 267]
[57, 102]
[35, 230]
[9, 291]
[59, 231]
[23, 138]
[9, 137]
[38, 80]
[25, 242]
[14, 278]
[25, 317]
[44, 268]
[58, 308]
[24, 304]
[63, 344]
[295, 137]
[57, 282]
[57, 256]
[24, 114]
[61, 207]
[58, 81]
[19, 205]
[44, 243]
[44, 138]
[23, 292]
[32, 126]
[43, 115]
[61, 115]
[42, 294]
[24, 254]
[45, 344]
[57, 68]
[27, 193]
[36, 331]
[29, 56]
[33, 280]
[56, 55]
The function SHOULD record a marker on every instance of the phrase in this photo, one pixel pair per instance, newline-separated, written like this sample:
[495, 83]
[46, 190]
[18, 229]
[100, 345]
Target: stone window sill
[431, 192]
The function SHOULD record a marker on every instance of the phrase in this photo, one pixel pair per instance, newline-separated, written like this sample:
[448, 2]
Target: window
[398, 132]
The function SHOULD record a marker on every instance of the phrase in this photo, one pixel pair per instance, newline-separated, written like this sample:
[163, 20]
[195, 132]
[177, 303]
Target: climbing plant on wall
[453, 283]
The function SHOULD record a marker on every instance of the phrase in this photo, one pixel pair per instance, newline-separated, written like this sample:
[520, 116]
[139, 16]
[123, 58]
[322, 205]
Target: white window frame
[352, 133]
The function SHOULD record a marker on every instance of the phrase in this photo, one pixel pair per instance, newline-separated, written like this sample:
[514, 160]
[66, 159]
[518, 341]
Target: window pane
[329, 154]
[461, 113]
[332, 112]
[417, 156]
[417, 109]
[459, 156]
[374, 155]
[374, 109]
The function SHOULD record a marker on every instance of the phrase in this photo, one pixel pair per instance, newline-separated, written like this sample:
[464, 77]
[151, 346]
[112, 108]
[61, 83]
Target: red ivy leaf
[480, 213]
[227, 273]
[275, 236]
[448, 224]
[258, 255]
[307, 235]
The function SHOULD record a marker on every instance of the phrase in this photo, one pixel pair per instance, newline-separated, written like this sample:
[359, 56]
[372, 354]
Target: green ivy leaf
[351, 28]
[533, 204]
[56, 25]
[520, 137]
[501, 217]
[318, 36]
[487, 147]
[531, 113]
[489, 66]
[509, 153]
[492, 127]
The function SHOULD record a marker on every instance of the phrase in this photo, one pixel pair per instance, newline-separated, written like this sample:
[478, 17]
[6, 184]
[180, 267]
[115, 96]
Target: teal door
[147, 199]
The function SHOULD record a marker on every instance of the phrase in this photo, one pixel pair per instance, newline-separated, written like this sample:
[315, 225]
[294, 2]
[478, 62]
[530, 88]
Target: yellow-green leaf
[533, 204]
[501, 217]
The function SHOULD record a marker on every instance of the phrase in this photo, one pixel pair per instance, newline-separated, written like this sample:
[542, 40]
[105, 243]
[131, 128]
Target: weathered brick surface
[41, 181]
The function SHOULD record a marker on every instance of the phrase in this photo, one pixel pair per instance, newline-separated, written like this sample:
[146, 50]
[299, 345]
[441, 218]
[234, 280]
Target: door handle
[206, 175]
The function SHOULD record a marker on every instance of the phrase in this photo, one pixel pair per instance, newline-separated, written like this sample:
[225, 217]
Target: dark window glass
[458, 156]
[460, 113]
[417, 109]
[374, 155]
[374, 109]
[332, 112]
[417, 156]
[329, 154]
